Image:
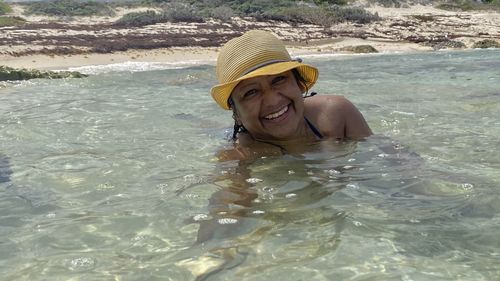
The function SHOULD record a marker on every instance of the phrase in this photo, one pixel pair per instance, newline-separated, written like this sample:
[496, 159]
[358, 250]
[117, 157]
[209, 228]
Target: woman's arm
[355, 124]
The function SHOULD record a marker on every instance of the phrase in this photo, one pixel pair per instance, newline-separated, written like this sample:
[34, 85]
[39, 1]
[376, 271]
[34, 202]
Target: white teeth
[277, 114]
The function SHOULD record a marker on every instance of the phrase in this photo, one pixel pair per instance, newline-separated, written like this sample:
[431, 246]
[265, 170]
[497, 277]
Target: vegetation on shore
[4, 8]
[469, 5]
[487, 43]
[13, 74]
[446, 44]
[302, 11]
[318, 12]
[69, 8]
[10, 21]
[308, 15]
[321, 12]
[454, 5]
[360, 49]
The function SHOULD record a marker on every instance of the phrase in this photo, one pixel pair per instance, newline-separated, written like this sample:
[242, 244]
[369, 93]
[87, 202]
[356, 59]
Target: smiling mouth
[278, 113]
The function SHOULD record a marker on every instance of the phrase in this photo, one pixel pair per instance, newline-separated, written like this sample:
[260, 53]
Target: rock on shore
[12, 74]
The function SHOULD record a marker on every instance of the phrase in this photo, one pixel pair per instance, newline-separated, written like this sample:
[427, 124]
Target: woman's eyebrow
[245, 85]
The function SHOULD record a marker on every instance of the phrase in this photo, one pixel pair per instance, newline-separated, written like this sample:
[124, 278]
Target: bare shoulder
[336, 117]
[329, 103]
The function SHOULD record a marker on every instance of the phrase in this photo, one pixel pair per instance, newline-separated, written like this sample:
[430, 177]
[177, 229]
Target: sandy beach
[55, 43]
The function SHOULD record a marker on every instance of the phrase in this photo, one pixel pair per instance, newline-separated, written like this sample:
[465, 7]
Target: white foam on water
[325, 55]
[135, 66]
[139, 66]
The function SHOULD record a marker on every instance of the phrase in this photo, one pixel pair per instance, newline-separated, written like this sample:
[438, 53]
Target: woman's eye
[249, 94]
[278, 79]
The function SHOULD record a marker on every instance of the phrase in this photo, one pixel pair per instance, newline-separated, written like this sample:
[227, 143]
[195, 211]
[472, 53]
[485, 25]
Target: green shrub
[4, 8]
[324, 16]
[181, 12]
[254, 7]
[223, 13]
[468, 5]
[154, 2]
[465, 6]
[310, 11]
[487, 43]
[69, 8]
[259, 8]
[330, 2]
[11, 21]
[12, 74]
[360, 49]
[139, 19]
[309, 15]
[388, 3]
[353, 14]
[445, 44]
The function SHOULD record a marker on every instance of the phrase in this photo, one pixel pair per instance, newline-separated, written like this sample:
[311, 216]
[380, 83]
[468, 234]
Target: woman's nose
[271, 94]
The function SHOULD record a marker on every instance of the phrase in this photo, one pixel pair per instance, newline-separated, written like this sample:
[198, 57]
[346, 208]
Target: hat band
[267, 63]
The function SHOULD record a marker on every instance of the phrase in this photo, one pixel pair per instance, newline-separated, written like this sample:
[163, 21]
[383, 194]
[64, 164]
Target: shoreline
[47, 43]
[64, 62]
[196, 55]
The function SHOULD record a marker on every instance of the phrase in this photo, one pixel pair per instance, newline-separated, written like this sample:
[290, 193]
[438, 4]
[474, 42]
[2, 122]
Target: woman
[265, 88]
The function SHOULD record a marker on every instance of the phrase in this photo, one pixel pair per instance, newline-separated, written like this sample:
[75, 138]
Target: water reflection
[286, 209]
[281, 211]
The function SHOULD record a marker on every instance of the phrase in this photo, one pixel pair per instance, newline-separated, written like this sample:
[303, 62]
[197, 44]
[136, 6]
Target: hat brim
[222, 92]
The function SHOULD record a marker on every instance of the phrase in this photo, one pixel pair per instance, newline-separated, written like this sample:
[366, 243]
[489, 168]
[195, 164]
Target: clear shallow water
[109, 177]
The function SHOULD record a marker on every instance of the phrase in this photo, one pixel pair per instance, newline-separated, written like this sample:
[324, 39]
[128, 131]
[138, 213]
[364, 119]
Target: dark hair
[301, 81]
[237, 128]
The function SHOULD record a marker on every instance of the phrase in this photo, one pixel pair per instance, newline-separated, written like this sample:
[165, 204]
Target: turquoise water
[109, 178]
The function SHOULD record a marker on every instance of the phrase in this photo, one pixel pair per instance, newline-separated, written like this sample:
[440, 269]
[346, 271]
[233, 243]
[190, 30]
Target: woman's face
[270, 107]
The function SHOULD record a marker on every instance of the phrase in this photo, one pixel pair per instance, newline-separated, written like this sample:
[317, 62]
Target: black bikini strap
[310, 95]
[313, 129]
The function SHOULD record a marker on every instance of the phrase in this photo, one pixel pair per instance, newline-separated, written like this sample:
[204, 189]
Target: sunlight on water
[110, 177]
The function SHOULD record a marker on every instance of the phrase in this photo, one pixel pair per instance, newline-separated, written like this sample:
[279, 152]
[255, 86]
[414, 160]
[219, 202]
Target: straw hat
[253, 54]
